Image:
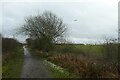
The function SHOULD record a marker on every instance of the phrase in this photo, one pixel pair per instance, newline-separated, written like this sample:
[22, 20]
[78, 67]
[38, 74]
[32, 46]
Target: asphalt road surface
[33, 68]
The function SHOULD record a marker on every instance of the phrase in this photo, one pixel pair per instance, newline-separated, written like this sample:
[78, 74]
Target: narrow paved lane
[33, 68]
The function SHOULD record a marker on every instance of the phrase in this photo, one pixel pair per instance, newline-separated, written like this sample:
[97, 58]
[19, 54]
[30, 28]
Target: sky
[95, 19]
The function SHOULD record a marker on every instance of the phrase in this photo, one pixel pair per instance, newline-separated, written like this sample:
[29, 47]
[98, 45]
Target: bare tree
[44, 28]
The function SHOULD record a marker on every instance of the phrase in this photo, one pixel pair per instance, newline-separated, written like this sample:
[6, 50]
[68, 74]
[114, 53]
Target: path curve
[33, 68]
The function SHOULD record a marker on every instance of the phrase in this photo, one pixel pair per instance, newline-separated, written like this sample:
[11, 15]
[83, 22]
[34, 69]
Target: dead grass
[84, 67]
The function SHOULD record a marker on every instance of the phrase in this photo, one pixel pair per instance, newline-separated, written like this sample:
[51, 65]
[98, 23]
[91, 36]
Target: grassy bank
[57, 71]
[12, 63]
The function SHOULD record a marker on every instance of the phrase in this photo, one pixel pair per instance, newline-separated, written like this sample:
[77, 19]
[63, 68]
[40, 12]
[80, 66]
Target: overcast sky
[95, 19]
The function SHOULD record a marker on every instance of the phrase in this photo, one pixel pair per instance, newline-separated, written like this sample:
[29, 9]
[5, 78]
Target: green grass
[92, 50]
[95, 49]
[57, 71]
[80, 49]
[58, 74]
[12, 69]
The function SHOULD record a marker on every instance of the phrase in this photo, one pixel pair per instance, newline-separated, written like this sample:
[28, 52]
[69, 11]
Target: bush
[42, 44]
[9, 44]
[9, 49]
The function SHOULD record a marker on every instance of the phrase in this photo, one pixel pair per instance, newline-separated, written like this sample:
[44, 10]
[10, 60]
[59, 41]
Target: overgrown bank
[12, 64]
[93, 63]
[85, 67]
[12, 58]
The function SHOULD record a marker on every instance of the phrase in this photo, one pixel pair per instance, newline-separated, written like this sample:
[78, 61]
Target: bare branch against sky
[88, 20]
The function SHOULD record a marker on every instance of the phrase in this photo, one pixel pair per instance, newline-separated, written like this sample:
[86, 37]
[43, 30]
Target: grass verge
[57, 71]
[12, 69]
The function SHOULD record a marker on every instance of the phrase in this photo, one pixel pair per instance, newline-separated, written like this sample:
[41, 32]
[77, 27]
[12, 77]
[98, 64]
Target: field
[77, 48]
[95, 51]
[84, 61]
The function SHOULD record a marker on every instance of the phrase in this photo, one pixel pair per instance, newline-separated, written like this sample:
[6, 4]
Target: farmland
[82, 60]
[80, 49]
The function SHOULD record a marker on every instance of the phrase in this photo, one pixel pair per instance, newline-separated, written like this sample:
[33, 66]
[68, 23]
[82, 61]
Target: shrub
[9, 44]
[9, 47]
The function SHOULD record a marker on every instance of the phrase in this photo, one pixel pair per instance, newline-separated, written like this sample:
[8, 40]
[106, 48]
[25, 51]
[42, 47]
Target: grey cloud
[94, 20]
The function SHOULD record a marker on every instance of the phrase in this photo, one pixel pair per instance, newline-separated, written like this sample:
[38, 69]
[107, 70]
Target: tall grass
[84, 67]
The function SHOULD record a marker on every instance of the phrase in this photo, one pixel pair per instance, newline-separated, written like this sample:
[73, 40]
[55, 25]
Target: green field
[80, 49]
